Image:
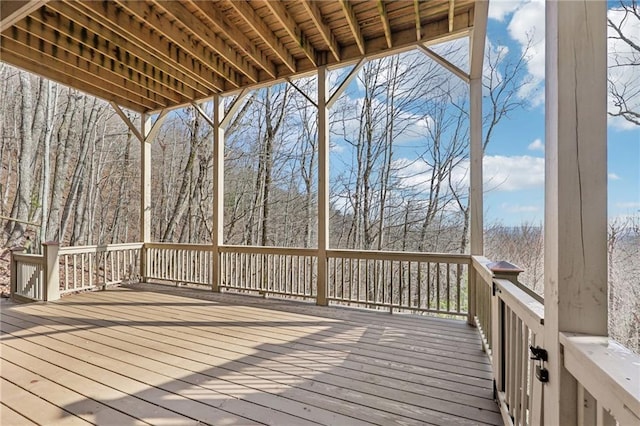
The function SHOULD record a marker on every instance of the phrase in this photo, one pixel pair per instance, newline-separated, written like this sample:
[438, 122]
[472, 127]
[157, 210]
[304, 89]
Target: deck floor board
[167, 355]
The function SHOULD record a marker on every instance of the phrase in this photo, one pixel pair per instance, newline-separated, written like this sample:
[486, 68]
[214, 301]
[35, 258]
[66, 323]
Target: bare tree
[624, 92]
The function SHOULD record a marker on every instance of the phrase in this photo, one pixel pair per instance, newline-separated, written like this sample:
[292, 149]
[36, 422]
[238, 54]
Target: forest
[398, 170]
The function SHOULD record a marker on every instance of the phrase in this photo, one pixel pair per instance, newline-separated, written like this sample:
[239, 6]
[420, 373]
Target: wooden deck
[171, 356]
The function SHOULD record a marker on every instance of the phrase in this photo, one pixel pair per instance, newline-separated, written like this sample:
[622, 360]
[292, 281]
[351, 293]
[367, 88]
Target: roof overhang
[151, 55]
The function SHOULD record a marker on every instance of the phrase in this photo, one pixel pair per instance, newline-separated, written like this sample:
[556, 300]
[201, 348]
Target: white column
[476, 219]
[323, 186]
[575, 188]
[51, 271]
[145, 191]
[476, 238]
[217, 238]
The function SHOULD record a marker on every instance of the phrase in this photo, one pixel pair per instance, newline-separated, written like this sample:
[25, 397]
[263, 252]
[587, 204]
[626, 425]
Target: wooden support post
[51, 271]
[575, 237]
[323, 187]
[217, 239]
[476, 226]
[13, 283]
[145, 194]
[148, 130]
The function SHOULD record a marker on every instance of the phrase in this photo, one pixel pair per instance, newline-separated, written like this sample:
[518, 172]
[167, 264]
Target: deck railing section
[511, 320]
[27, 281]
[179, 263]
[483, 300]
[608, 376]
[399, 281]
[97, 266]
[269, 270]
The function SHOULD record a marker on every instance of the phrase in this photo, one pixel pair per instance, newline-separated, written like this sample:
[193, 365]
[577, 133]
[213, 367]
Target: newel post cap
[504, 269]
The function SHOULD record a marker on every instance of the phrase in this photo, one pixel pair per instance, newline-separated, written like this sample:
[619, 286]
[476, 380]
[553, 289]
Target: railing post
[144, 263]
[471, 296]
[505, 270]
[51, 271]
[13, 283]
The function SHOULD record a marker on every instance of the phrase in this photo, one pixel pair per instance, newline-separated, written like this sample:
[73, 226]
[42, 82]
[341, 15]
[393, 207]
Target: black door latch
[539, 354]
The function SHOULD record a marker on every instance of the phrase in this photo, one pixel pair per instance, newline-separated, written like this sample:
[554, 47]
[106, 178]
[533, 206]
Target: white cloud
[499, 9]
[517, 208]
[613, 176]
[502, 173]
[527, 28]
[536, 145]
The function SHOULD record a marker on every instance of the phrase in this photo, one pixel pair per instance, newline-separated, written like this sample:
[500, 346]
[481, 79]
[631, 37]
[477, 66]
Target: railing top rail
[464, 259]
[179, 246]
[269, 250]
[99, 248]
[608, 370]
[480, 264]
[530, 310]
[31, 259]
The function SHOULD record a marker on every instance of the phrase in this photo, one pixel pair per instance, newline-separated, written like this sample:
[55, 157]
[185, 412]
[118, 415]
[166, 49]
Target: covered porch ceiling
[149, 55]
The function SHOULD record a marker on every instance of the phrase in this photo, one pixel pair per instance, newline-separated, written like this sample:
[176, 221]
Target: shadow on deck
[166, 355]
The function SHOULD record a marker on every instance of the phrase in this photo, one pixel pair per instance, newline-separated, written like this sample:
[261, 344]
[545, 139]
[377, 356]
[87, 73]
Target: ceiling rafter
[352, 20]
[214, 15]
[202, 35]
[81, 42]
[154, 43]
[416, 11]
[55, 70]
[249, 15]
[452, 10]
[382, 9]
[280, 12]
[171, 37]
[38, 36]
[13, 11]
[29, 35]
[148, 64]
[327, 35]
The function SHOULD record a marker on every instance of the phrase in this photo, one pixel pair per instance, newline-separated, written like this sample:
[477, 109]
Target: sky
[514, 160]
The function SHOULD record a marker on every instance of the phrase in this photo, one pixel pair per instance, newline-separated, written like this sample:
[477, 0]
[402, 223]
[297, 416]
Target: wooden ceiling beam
[236, 36]
[416, 11]
[280, 12]
[139, 14]
[12, 11]
[382, 9]
[327, 35]
[452, 10]
[202, 35]
[436, 31]
[140, 59]
[354, 25]
[246, 12]
[82, 43]
[153, 43]
[54, 71]
[62, 50]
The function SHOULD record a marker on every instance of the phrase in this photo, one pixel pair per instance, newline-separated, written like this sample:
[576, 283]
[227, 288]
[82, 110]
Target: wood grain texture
[163, 354]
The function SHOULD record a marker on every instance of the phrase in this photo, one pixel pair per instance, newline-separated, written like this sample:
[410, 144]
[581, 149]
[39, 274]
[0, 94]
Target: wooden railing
[608, 376]
[509, 317]
[179, 263]
[91, 267]
[399, 281]
[269, 270]
[511, 321]
[27, 278]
